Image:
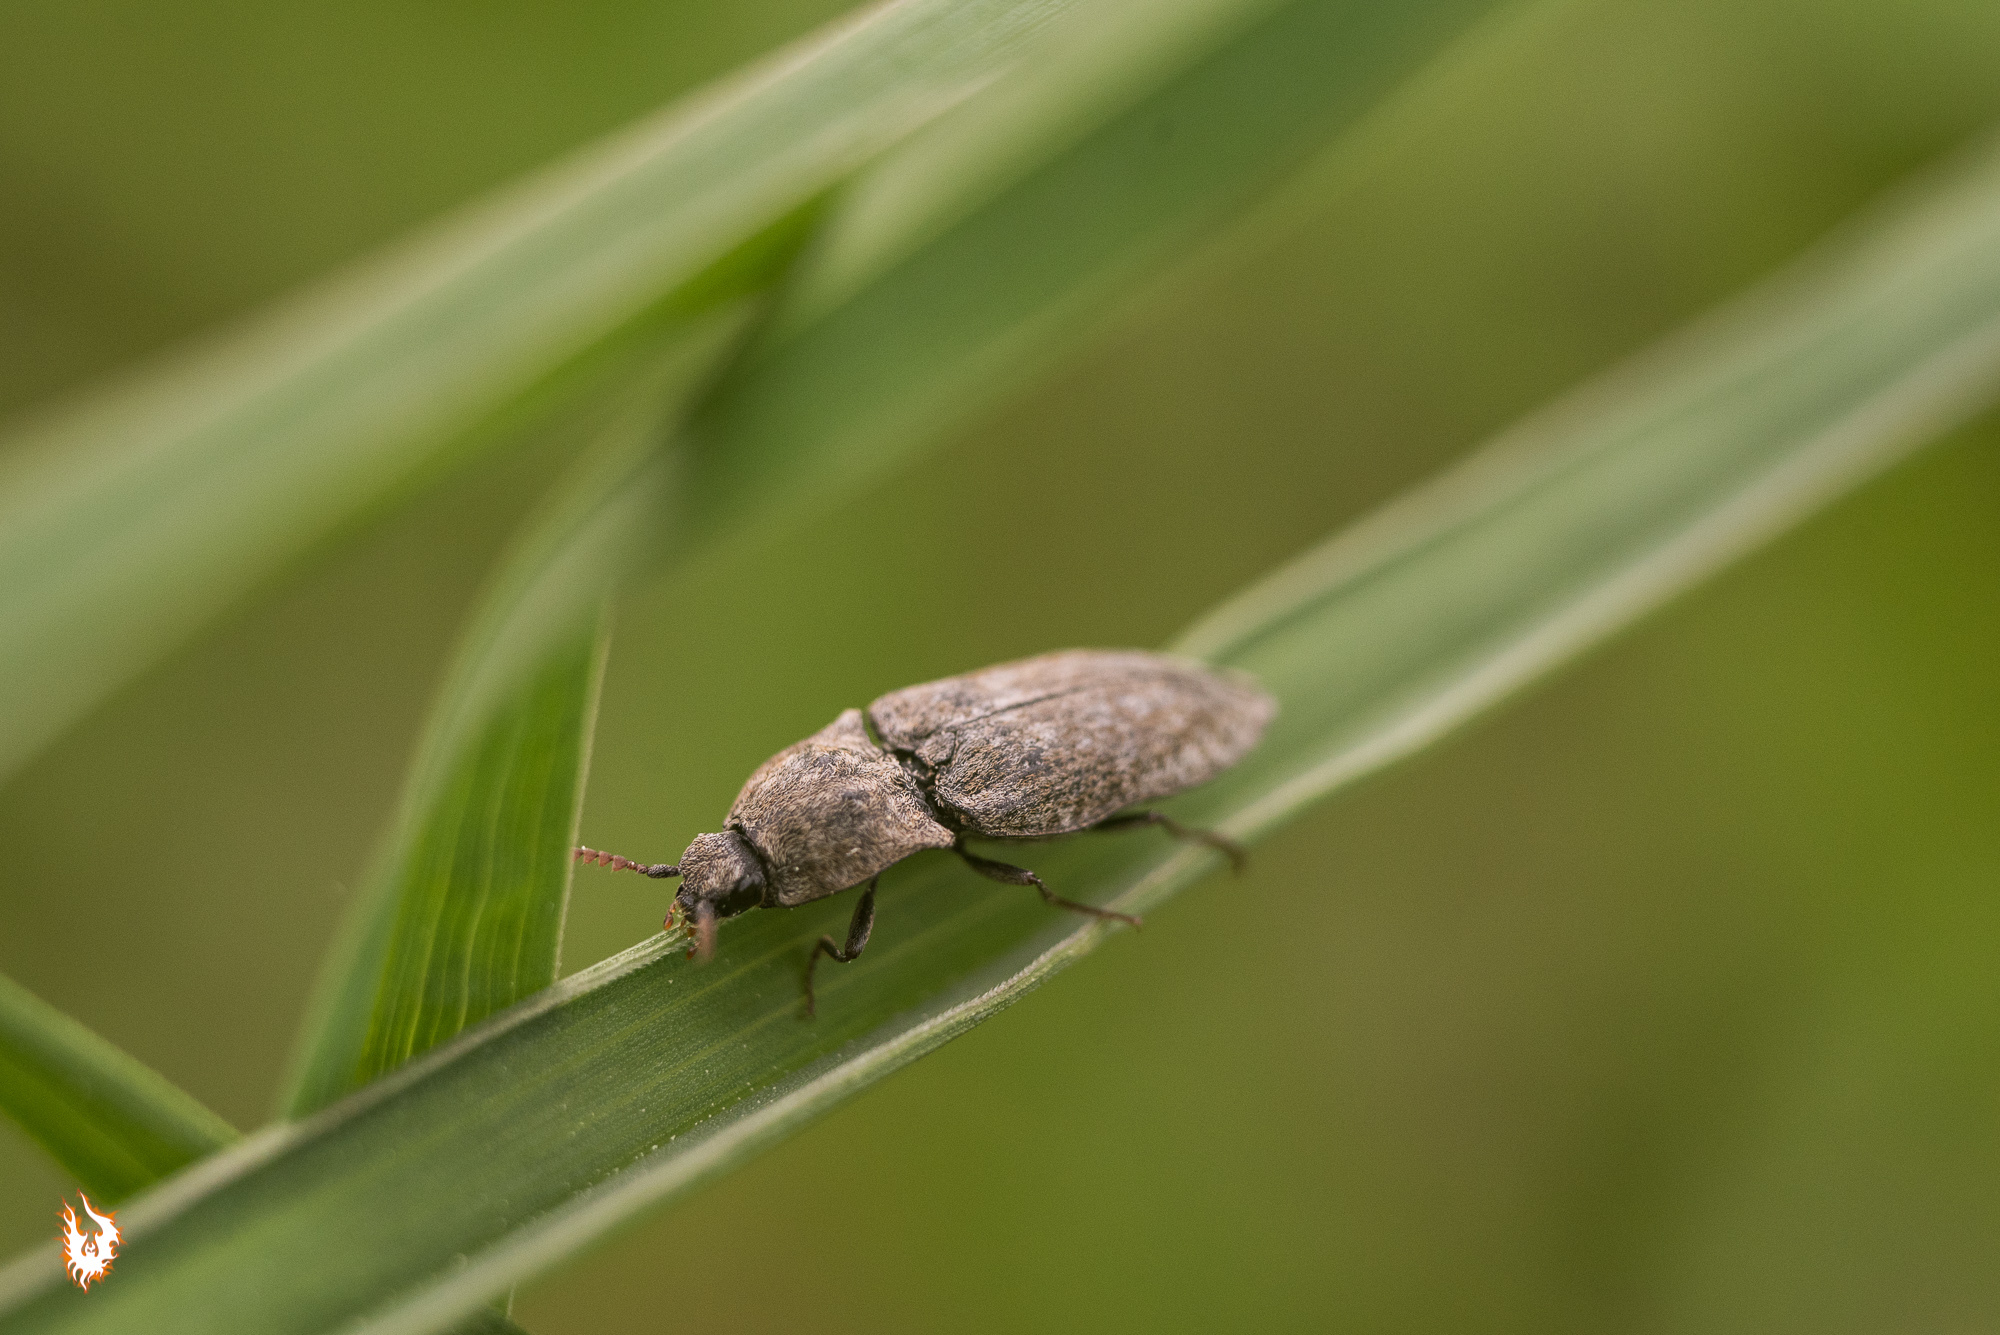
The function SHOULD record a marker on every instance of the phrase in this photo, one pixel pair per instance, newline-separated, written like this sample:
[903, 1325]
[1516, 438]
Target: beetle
[1044, 746]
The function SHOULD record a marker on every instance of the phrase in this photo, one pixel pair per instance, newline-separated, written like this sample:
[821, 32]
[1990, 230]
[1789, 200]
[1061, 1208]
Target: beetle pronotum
[1045, 746]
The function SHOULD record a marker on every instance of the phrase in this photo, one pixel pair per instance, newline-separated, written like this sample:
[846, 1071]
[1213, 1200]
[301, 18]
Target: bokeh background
[1666, 1000]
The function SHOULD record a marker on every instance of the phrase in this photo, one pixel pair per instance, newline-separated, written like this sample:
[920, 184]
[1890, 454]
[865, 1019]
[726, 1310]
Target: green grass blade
[462, 911]
[496, 1156]
[113, 1124]
[1621, 494]
[131, 519]
[984, 250]
[484, 878]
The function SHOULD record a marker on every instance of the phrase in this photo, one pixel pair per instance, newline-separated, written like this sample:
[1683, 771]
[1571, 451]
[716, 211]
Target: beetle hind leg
[1239, 856]
[858, 929]
[1008, 874]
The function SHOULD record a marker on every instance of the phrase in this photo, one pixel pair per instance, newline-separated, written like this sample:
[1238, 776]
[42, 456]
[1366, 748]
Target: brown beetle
[1027, 750]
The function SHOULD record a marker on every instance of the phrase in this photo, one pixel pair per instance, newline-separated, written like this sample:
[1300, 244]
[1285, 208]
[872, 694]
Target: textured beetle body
[1028, 750]
[831, 811]
[1056, 744]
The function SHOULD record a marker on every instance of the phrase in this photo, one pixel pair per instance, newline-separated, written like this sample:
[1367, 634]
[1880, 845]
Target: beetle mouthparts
[704, 933]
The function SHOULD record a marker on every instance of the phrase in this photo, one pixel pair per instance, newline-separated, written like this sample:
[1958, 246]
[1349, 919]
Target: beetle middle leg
[857, 937]
[1008, 874]
[1239, 857]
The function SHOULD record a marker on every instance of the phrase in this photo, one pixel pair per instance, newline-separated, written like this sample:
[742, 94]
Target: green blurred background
[1664, 1001]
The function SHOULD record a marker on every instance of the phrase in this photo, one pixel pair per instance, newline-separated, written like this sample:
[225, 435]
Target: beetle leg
[1009, 874]
[1239, 857]
[857, 936]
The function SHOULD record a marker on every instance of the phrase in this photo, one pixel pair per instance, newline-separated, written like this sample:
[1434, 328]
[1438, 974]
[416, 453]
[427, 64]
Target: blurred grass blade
[982, 251]
[1587, 515]
[487, 1323]
[494, 1157]
[128, 520]
[462, 911]
[113, 1124]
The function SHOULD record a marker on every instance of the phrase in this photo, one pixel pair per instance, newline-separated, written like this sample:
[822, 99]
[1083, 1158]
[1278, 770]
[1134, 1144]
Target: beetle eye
[740, 900]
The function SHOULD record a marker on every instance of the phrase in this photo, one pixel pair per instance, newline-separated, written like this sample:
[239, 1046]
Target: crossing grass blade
[479, 879]
[978, 254]
[130, 519]
[110, 1122]
[462, 912]
[499, 1154]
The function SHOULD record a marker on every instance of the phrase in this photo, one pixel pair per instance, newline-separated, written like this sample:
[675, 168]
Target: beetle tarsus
[1008, 874]
[1239, 856]
[858, 929]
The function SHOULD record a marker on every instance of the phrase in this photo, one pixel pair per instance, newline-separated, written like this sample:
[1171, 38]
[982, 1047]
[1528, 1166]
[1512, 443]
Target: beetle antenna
[616, 863]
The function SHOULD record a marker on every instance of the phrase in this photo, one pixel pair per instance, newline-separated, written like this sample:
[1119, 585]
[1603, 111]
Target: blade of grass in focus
[109, 1121]
[481, 877]
[461, 914]
[135, 516]
[493, 1158]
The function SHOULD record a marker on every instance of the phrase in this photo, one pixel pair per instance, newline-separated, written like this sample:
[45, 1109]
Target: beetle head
[720, 878]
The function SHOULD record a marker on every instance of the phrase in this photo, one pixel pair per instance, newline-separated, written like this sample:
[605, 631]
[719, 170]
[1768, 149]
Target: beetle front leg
[1239, 857]
[858, 929]
[1008, 874]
